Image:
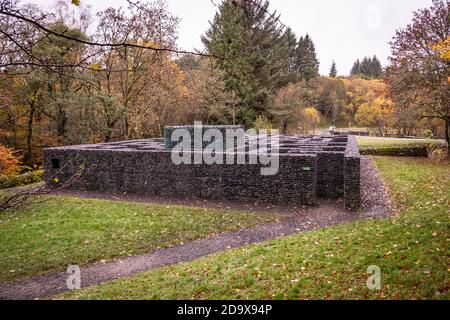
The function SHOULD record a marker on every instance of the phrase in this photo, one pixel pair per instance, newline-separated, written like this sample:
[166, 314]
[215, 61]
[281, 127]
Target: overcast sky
[343, 30]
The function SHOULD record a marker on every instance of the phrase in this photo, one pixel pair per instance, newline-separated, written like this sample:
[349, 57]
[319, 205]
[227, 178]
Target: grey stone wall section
[330, 177]
[352, 175]
[310, 168]
[153, 173]
[168, 131]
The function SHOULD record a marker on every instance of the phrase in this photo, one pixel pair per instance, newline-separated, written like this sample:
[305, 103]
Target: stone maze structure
[310, 168]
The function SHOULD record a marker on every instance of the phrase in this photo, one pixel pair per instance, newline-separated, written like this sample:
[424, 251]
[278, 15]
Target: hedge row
[419, 151]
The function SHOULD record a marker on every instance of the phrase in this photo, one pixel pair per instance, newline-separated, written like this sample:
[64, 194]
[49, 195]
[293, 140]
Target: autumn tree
[376, 115]
[25, 91]
[286, 103]
[9, 162]
[122, 74]
[443, 47]
[308, 119]
[29, 96]
[336, 99]
[206, 98]
[360, 91]
[63, 85]
[44, 73]
[418, 75]
[163, 101]
[331, 98]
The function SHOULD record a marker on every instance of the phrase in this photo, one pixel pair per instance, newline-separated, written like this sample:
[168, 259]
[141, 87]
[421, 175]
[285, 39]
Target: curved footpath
[375, 202]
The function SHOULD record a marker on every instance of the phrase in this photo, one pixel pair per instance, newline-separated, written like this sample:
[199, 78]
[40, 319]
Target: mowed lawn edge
[381, 143]
[65, 231]
[410, 249]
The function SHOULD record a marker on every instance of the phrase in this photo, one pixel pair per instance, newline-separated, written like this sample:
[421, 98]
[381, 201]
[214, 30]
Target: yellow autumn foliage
[377, 114]
[443, 48]
[95, 67]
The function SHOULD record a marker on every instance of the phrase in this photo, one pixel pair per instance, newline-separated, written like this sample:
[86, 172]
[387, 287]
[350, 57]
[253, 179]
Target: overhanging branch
[98, 44]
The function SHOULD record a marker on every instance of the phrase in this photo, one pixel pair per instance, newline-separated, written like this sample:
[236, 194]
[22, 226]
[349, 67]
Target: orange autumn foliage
[9, 163]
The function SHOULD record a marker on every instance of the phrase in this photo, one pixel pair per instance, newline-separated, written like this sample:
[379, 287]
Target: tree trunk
[447, 131]
[285, 126]
[62, 129]
[29, 153]
[108, 136]
[234, 114]
[380, 128]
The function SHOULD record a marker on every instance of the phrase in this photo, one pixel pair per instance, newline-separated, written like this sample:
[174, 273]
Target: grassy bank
[365, 142]
[62, 231]
[411, 250]
[399, 147]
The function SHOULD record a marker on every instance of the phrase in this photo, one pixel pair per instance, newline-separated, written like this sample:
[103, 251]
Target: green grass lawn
[366, 143]
[411, 249]
[63, 231]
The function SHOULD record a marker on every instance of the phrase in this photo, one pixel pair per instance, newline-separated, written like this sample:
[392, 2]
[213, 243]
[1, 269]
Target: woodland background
[66, 81]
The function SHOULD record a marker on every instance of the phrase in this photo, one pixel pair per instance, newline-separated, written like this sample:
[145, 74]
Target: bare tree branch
[28, 196]
[43, 28]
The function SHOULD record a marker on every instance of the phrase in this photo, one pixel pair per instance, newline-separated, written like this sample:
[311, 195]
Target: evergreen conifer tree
[333, 71]
[377, 69]
[257, 52]
[368, 68]
[356, 69]
[307, 62]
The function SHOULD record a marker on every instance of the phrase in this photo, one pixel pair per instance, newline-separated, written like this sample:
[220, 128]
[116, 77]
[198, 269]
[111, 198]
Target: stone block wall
[168, 131]
[352, 175]
[330, 175]
[153, 173]
[310, 168]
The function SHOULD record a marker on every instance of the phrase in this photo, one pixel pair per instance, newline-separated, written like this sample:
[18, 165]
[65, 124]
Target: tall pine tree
[366, 67]
[257, 54]
[377, 69]
[333, 70]
[290, 55]
[356, 69]
[369, 68]
[307, 63]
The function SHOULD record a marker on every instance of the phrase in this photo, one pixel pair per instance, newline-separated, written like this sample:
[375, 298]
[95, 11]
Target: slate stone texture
[168, 131]
[352, 175]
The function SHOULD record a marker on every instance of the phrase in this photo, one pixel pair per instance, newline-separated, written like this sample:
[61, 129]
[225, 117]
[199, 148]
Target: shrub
[435, 150]
[428, 134]
[262, 123]
[9, 162]
[412, 151]
[21, 179]
[438, 153]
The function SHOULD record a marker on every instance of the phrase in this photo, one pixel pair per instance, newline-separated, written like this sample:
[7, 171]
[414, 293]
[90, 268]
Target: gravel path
[375, 201]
